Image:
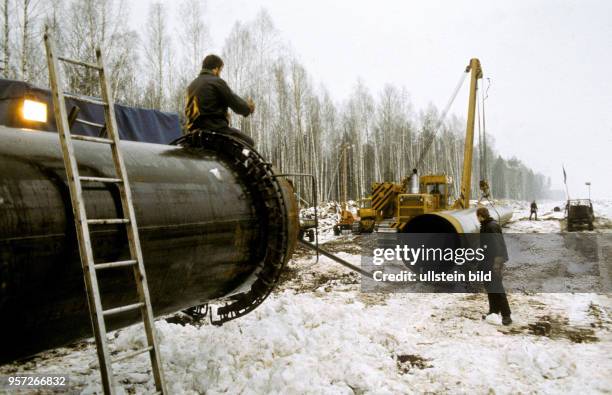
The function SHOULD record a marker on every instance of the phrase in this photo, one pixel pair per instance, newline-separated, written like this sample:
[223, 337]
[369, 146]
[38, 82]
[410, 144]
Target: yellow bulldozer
[367, 217]
[382, 210]
[394, 204]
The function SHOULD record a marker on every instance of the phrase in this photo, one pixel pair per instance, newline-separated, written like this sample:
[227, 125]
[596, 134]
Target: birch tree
[30, 62]
[194, 41]
[6, 8]
[194, 34]
[157, 50]
[104, 24]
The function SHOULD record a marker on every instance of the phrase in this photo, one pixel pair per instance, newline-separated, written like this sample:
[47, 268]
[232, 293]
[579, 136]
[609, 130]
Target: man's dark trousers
[498, 301]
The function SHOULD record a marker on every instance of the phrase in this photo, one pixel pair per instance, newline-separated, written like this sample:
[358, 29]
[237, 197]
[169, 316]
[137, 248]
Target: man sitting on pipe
[208, 99]
[494, 260]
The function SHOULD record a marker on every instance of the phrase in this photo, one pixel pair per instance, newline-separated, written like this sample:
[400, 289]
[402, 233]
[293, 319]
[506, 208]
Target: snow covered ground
[318, 334]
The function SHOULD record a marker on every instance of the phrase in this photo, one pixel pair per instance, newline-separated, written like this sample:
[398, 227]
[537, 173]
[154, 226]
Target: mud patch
[290, 273]
[305, 280]
[330, 282]
[556, 327]
[302, 252]
[33, 363]
[351, 246]
[373, 299]
[474, 296]
[537, 304]
[599, 316]
[408, 362]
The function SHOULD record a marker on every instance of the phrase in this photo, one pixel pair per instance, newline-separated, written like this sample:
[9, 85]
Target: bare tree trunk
[25, 37]
[6, 41]
[158, 54]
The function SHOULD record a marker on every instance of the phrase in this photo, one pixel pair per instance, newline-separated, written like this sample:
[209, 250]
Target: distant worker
[534, 210]
[495, 257]
[208, 99]
[485, 189]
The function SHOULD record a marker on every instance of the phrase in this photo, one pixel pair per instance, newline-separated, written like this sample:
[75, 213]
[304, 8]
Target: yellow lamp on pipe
[34, 111]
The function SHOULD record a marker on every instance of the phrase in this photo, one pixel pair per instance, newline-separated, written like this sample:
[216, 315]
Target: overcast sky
[550, 64]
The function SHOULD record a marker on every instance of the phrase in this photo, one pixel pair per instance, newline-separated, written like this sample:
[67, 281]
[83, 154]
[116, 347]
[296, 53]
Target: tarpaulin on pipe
[134, 124]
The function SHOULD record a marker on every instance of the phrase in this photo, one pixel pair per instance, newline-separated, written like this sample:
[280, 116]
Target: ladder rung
[79, 63]
[110, 265]
[92, 139]
[110, 221]
[84, 122]
[122, 309]
[85, 99]
[132, 354]
[101, 179]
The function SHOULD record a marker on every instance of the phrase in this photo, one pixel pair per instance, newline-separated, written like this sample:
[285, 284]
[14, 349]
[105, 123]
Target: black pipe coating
[197, 221]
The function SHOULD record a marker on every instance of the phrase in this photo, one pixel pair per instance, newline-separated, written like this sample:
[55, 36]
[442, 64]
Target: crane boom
[463, 201]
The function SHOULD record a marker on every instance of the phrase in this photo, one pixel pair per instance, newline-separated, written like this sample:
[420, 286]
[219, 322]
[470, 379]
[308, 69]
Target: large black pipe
[201, 229]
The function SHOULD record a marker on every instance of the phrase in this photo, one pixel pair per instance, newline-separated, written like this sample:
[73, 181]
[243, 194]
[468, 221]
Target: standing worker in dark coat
[534, 210]
[496, 255]
[208, 99]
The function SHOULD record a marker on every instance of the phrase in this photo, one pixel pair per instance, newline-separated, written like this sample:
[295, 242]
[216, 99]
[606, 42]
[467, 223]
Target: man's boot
[506, 320]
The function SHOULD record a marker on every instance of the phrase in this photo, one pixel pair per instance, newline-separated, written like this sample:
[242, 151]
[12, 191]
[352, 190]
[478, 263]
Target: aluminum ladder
[82, 222]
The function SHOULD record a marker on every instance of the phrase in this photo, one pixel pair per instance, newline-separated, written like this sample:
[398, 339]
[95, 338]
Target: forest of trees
[299, 125]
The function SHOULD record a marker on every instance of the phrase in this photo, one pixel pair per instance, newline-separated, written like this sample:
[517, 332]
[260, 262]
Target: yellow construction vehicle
[434, 194]
[367, 217]
[395, 204]
[346, 221]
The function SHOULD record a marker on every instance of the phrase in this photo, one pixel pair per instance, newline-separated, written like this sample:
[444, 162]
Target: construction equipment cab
[439, 186]
[435, 193]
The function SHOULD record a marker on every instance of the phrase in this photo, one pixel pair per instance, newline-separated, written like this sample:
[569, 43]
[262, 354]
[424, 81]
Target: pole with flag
[565, 182]
[588, 184]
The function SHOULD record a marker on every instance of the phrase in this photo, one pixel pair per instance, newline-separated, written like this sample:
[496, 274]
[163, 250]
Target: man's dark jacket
[493, 238]
[208, 98]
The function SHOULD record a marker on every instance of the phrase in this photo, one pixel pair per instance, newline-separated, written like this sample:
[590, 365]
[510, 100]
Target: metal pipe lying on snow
[213, 222]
